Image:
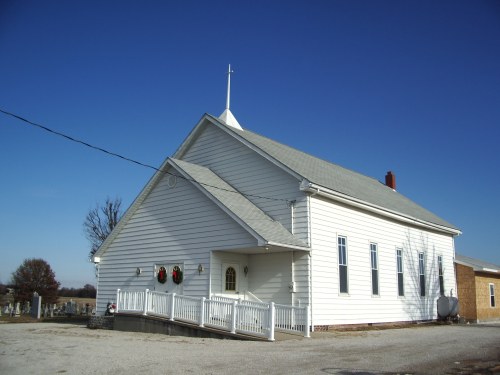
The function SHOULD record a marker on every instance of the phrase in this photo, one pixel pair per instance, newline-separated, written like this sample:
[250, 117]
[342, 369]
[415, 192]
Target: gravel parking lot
[51, 348]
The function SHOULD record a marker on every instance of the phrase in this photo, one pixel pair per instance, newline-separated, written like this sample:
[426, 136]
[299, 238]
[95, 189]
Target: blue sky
[407, 86]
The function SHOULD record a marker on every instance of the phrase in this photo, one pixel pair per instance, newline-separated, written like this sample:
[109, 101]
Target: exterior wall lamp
[245, 270]
[138, 271]
[200, 269]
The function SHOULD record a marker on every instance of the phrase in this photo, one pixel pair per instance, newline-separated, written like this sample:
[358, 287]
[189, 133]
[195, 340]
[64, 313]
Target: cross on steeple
[227, 116]
[229, 71]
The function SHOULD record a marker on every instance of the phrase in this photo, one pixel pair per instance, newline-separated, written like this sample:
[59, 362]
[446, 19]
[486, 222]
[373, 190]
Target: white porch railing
[292, 319]
[236, 316]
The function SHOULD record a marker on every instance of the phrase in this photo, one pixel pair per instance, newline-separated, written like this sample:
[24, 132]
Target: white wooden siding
[270, 276]
[301, 278]
[329, 220]
[250, 174]
[172, 225]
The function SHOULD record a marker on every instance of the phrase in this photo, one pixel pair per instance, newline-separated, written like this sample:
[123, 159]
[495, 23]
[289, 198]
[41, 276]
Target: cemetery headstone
[71, 307]
[25, 308]
[18, 309]
[36, 306]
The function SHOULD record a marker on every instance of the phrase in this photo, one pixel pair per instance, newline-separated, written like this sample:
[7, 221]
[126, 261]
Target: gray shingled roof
[339, 179]
[476, 264]
[249, 214]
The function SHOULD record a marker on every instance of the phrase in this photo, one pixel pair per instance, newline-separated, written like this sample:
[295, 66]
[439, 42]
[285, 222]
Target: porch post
[202, 312]
[306, 326]
[272, 311]
[233, 317]
[117, 299]
[146, 295]
[172, 307]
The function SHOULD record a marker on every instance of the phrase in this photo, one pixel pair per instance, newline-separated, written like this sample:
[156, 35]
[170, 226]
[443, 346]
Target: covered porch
[261, 274]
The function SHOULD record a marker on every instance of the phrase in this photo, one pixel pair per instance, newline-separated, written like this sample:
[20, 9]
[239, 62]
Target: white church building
[242, 216]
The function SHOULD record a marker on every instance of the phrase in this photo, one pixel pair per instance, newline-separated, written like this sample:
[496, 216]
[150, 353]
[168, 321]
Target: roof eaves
[476, 264]
[192, 136]
[352, 201]
[131, 210]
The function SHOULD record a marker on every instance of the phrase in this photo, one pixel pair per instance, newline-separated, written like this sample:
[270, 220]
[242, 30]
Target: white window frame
[440, 274]
[343, 262]
[400, 272]
[493, 302]
[421, 274]
[374, 269]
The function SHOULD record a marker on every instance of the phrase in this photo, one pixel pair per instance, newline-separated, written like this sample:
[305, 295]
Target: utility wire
[77, 140]
[129, 159]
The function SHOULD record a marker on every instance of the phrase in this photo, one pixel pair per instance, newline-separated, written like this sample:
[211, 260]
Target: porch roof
[234, 203]
[476, 264]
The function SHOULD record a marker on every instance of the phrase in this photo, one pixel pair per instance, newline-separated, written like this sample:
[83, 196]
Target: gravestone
[36, 306]
[26, 307]
[18, 309]
[70, 308]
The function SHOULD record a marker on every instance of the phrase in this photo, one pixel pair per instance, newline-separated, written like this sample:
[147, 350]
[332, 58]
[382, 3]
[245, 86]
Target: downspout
[210, 274]
[292, 224]
[292, 285]
[454, 269]
[309, 238]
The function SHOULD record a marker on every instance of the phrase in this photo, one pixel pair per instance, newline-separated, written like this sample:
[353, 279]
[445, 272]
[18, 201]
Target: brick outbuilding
[478, 285]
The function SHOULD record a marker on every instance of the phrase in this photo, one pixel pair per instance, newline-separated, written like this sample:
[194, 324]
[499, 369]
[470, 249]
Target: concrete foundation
[150, 324]
[101, 322]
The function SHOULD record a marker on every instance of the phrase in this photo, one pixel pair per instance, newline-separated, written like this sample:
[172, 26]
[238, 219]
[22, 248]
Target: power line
[72, 139]
[77, 140]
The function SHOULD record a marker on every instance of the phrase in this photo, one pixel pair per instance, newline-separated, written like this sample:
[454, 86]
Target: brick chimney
[390, 180]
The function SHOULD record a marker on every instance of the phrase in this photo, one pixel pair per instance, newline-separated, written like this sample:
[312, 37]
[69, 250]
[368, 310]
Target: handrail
[236, 316]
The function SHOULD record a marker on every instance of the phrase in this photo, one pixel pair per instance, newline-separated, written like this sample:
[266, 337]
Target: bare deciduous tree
[100, 221]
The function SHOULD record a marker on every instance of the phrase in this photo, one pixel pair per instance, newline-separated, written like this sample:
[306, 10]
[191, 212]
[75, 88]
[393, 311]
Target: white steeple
[227, 116]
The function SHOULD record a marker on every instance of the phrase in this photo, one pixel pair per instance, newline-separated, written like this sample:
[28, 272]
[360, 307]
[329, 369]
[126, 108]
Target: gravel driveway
[51, 348]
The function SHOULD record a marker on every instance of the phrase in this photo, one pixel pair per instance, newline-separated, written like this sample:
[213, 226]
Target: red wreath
[162, 275]
[177, 275]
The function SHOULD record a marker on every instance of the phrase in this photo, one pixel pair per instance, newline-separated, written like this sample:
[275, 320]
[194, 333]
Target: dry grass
[26, 318]
[75, 319]
[19, 319]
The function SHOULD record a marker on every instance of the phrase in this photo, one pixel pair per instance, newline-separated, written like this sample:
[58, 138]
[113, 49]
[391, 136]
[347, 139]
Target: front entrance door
[164, 278]
[230, 278]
